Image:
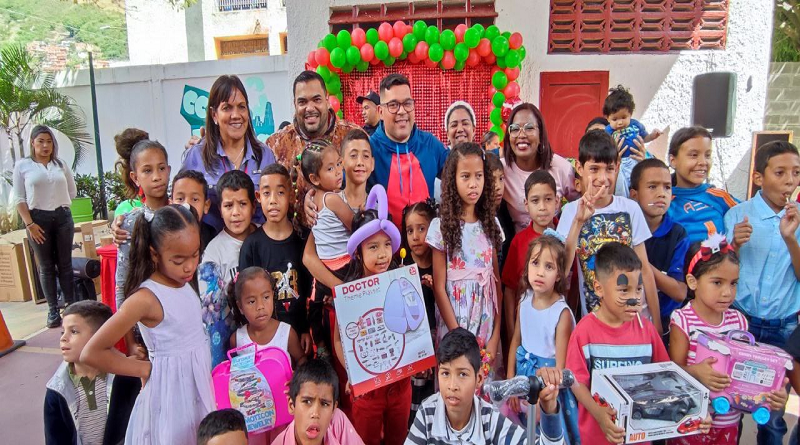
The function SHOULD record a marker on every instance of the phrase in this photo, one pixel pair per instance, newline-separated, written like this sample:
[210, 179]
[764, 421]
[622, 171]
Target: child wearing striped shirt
[455, 415]
[712, 274]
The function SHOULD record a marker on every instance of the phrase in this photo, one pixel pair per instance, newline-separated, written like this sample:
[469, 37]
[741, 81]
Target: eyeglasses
[394, 106]
[529, 128]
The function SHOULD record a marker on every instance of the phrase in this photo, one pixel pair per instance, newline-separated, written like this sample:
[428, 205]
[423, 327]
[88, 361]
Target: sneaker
[53, 319]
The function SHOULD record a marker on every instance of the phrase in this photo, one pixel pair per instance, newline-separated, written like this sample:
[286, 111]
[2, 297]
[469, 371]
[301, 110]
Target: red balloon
[512, 73]
[459, 31]
[421, 50]
[367, 52]
[412, 57]
[484, 47]
[334, 101]
[358, 37]
[312, 59]
[473, 59]
[322, 56]
[490, 59]
[449, 60]
[399, 29]
[375, 61]
[492, 90]
[430, 63]
[395, 47]
[505, 114]
[496, 69]
[385, 32]
[511, 90]
[515, 41]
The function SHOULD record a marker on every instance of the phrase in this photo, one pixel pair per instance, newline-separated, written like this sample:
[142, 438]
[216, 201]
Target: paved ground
[25, 372]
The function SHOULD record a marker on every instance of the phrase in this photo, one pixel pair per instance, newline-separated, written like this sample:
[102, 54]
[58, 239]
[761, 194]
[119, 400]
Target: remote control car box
[654, 401]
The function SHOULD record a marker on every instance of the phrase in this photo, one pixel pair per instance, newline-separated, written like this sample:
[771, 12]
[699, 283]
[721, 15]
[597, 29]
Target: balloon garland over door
[458, 49]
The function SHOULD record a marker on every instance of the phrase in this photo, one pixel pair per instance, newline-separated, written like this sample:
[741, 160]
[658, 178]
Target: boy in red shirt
[612, 336]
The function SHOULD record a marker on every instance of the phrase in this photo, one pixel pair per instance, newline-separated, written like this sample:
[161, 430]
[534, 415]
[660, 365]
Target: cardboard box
[655, 401]
[87, 238]
[14, 281]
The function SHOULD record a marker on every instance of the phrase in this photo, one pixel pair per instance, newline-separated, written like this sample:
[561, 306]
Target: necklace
[235, 162]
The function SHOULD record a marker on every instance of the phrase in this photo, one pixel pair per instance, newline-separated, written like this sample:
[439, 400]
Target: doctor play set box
[755, 370]
[384, 328]
[654, 401]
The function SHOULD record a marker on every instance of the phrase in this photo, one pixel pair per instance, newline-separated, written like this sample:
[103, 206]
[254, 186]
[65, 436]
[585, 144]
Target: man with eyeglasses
[407, 159]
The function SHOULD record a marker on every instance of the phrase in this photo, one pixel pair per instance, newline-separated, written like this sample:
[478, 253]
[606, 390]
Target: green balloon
[381, 50]
[419, 29]
[460, 66]
[499, 80]
[372, 36]
[334, 85]
[324, 72]
[389, 61]
[501, 62]
[481, 30]
[432, 35]
[329, 42]
[498, 99]
[409, 42]
[319, 44]
[498, 130]
[500, 46]
[362, 66]
[491, 32]
[522, 52]
[335, 76]
[353, 55]
[436, 52]
[343, 39]
[348, 68]
[340, 114]
[496, 116]
[338, 58]
[512, 58]
[461, 52]
[506, 34]
[472, 37]
[448, 39]
[403, 55]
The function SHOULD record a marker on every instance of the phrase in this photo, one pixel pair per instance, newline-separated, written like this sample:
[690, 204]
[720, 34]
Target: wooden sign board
[760, 138]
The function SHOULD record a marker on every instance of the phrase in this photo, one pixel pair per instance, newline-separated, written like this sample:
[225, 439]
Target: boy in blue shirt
[765, 232]
[651, 187]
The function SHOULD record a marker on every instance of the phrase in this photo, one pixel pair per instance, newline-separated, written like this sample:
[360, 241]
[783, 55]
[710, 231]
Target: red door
[569, 100]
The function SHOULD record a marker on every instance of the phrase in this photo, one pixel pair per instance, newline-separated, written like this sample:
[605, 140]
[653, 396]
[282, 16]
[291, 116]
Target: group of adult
[408, 160]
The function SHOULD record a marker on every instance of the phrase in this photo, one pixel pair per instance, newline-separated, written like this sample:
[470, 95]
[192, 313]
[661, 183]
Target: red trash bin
[108, 283]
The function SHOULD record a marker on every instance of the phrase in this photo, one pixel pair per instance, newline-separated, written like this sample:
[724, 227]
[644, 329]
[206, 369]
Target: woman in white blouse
[43, 190]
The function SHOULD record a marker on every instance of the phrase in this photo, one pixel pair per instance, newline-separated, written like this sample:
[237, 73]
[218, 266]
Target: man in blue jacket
[407, 159]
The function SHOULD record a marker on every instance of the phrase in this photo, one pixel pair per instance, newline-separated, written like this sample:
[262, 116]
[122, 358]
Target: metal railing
[240, 5]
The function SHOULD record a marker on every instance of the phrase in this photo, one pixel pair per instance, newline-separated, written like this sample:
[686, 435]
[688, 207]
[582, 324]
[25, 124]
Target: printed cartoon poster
[384, 328]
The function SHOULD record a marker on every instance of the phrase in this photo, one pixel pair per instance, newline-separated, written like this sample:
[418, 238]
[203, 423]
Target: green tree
[28, 97]
[786, 38]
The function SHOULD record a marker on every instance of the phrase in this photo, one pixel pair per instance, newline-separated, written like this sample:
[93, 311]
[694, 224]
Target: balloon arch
[461, 49]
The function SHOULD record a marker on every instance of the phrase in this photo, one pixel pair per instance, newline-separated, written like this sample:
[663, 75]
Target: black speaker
[714, 102]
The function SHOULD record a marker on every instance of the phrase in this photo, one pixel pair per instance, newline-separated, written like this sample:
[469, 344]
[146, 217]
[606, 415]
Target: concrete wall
[660, 83]
[156, 32]
[152, 97]
[783, 98]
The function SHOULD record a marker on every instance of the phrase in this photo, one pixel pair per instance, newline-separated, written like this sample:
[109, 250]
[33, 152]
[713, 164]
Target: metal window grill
[433, 91]
[612, 26]
[240, 5]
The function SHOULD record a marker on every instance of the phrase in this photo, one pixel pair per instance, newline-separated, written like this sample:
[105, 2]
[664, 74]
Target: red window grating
[433, 91]
[611, 26]
[443, 14]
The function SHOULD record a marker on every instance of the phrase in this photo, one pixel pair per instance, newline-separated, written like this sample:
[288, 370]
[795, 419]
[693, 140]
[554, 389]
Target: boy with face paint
[613, 336]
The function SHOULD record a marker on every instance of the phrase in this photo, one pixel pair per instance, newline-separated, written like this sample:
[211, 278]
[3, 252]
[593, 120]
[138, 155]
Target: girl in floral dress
[465, 240]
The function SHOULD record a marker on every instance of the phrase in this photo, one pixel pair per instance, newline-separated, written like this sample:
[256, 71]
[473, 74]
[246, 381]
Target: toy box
[755, 370]
[253, 383]
[655, 401]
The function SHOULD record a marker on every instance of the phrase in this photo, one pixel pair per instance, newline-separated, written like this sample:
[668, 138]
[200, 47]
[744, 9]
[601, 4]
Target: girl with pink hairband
[372, 246]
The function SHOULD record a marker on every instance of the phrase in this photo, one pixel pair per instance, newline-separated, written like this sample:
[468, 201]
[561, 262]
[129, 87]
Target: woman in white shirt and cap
[459, 122]
[43, 190]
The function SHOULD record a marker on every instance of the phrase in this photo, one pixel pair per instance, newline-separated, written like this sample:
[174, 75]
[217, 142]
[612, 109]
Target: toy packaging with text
[654, 401]
[384, 328]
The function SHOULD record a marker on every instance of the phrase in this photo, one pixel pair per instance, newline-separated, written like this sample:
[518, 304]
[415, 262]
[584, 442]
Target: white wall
[234, 23]
[151, 97]
[156, 32]
[661, 83]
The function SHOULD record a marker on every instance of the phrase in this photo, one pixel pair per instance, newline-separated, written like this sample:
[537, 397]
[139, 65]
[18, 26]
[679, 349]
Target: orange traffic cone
[7, 344]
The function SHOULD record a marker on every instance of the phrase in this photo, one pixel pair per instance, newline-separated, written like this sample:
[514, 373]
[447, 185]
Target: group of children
[647, 285]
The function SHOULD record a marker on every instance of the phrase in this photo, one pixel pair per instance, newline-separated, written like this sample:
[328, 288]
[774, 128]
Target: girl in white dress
[177, 391]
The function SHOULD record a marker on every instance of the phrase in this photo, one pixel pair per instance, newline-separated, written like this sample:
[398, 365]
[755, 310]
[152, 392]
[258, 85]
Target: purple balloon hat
[375, 201]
